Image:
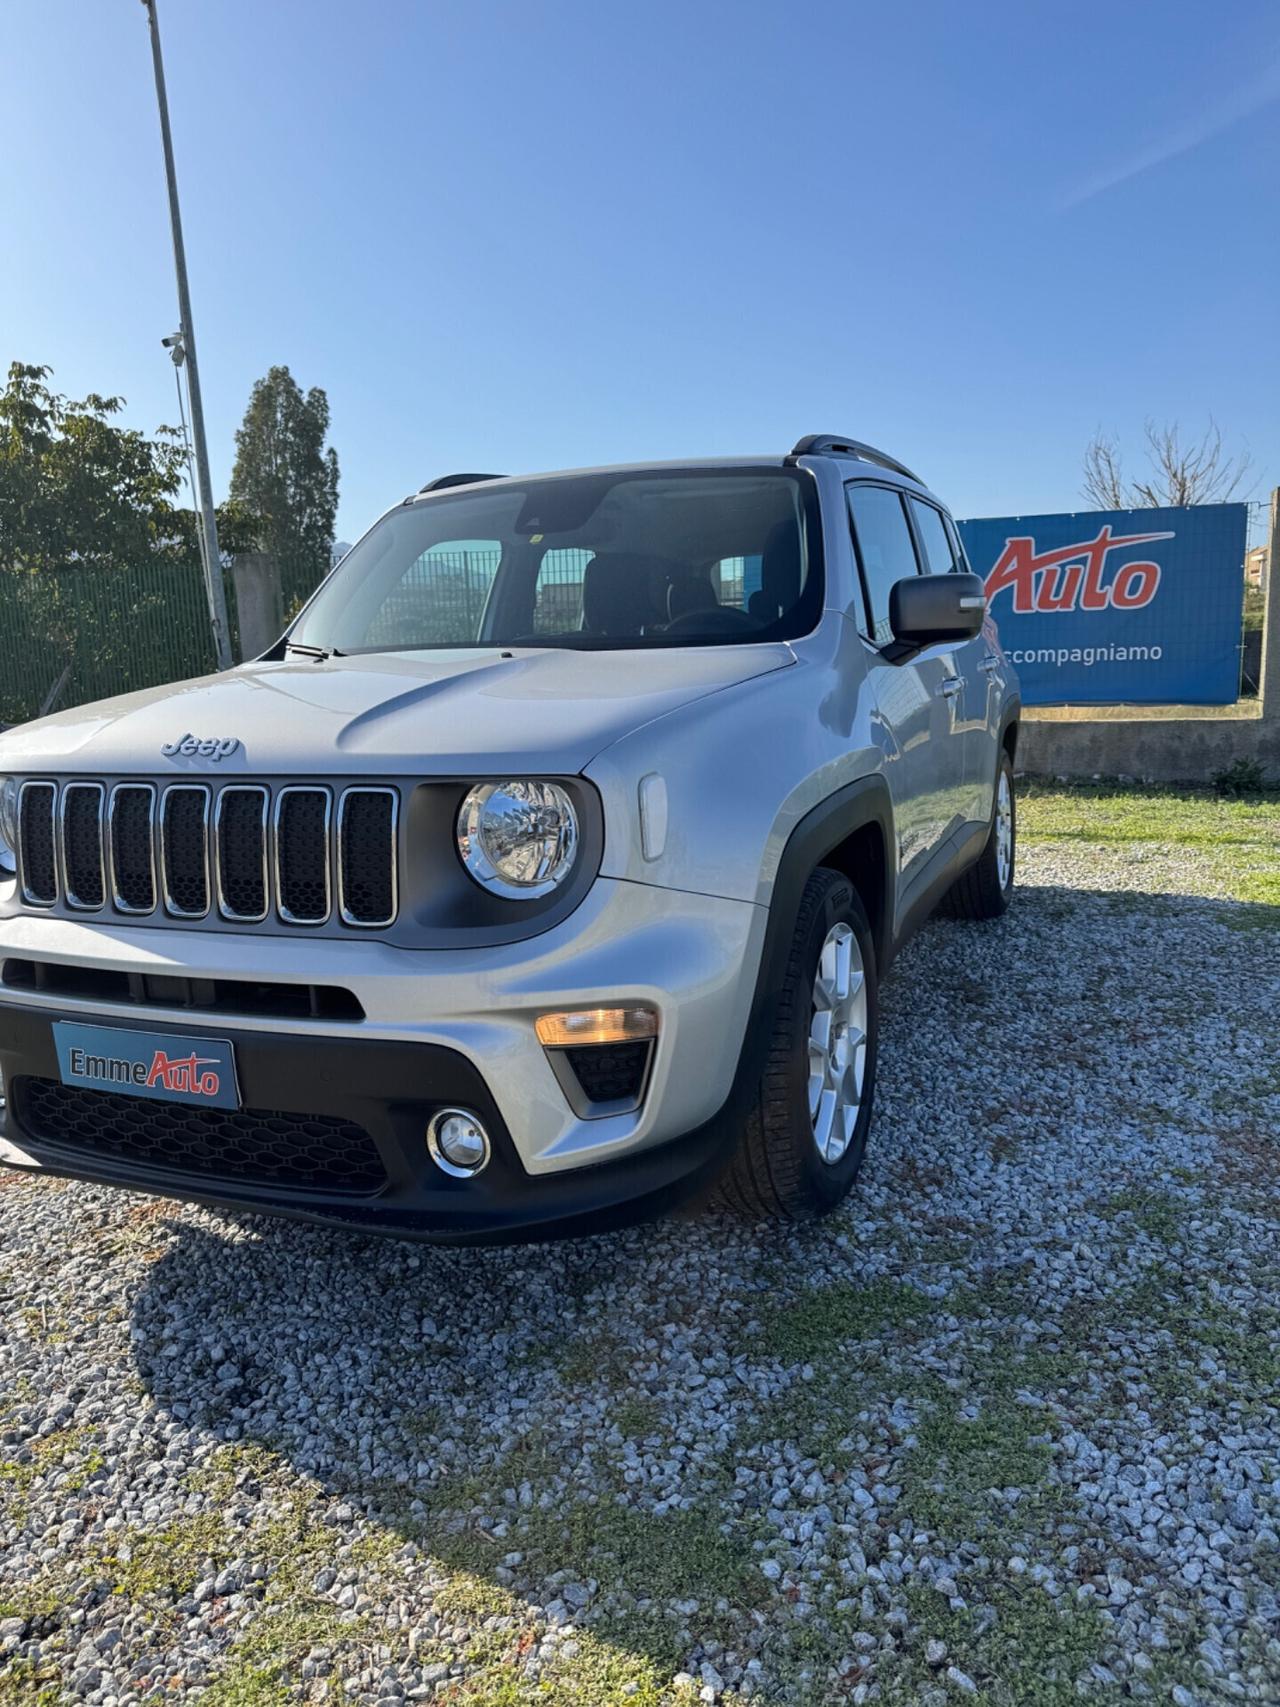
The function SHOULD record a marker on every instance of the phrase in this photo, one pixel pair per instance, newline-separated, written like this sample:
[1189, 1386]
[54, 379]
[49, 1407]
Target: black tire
[978, 893]
[776, 1170]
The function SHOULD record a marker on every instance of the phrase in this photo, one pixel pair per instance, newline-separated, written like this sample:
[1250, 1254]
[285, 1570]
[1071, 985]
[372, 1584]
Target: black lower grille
[611, 1072]
[307, 1151]
[161, 990]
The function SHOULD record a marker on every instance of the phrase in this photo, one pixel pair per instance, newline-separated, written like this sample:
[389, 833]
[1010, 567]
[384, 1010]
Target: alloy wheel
[837, 1043]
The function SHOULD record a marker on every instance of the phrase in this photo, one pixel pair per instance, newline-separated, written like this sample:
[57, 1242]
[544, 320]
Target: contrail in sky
[1258, 92]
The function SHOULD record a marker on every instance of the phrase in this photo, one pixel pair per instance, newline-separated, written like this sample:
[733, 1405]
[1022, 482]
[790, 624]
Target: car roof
[812, 445]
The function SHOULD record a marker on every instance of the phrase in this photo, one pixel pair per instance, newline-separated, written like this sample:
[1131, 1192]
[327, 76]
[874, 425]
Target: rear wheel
[985, 890]
[805, 1132]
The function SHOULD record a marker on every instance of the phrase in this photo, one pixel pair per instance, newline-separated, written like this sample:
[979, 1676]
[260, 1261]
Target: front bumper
[386, 1091]
[451, 1027]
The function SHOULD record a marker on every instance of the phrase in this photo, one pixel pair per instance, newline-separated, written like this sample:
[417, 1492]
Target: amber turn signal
[597, 1025]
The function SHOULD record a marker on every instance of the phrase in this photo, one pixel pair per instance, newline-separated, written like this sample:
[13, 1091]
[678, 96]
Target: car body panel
[471, 711]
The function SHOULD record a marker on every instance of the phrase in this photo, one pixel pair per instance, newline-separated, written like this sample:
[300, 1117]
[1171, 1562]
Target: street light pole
[204, 486]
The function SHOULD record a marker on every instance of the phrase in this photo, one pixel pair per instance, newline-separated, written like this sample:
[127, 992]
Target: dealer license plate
[200, 1071]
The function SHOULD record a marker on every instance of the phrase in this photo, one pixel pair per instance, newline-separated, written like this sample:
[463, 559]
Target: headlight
[8, 826]
[518, 839]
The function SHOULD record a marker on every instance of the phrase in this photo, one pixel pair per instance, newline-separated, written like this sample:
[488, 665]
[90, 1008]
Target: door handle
[989, 663]
[951, 686]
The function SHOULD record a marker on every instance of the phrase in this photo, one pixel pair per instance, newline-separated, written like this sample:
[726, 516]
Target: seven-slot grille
[192, 849]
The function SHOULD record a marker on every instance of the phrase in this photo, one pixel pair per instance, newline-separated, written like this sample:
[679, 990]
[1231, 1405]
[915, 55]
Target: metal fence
[72, 635]
[441, 599]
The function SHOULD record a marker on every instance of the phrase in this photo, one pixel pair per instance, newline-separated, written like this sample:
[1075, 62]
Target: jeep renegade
[543, 873]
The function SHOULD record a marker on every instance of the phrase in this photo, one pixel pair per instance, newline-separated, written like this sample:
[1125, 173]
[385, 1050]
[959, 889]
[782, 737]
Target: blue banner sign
[1114, 606]
[197, 1070]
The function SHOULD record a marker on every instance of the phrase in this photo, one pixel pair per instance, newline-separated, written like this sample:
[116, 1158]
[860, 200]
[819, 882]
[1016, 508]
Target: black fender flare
[1010, 713]
[831, 822]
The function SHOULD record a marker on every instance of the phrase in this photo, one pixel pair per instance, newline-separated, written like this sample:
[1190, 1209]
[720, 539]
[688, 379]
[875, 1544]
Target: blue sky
[511, 236]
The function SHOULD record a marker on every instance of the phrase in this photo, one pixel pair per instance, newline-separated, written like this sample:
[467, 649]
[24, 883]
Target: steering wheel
[715, 621]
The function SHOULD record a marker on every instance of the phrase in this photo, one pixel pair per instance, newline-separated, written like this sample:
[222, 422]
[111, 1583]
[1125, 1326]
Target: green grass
[960, 1465]
[581, 1362]
[167, 1564]
[678, 1555]
[27, 1684]
[1240, 838]
[637, 1417]
[826, 1317]
[1241, 710]
[69, 1457]
[1112, 813]
[1255, 604]
[265, 1661]
[1157, 1213]
[1030, 1655]
[1191, 1321]
[248, 1686]
[629, 1660]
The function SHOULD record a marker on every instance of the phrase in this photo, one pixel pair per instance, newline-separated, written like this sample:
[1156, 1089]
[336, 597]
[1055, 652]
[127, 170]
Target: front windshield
[671, 558]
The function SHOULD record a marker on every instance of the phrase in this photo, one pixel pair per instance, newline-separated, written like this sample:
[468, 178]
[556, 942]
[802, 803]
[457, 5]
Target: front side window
[957, 547]
[440, 597]
[612, 560]
[557, 605]
[885, 551]
[936, 543]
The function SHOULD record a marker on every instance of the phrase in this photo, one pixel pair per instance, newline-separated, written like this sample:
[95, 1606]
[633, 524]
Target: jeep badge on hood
[188, 747]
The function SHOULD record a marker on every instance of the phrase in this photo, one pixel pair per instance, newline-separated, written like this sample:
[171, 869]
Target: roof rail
[814, 444]
[443, 480]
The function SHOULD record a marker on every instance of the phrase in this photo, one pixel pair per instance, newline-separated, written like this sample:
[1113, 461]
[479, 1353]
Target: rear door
[916, 699]
[940, 555]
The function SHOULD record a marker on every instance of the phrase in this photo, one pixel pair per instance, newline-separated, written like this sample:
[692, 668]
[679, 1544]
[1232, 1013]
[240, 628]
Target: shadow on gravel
[452, 1396]
[523, 1413]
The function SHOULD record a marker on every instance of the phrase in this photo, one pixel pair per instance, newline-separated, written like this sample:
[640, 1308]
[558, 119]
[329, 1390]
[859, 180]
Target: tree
[284, 486]
[78, 490]
[1194, 474]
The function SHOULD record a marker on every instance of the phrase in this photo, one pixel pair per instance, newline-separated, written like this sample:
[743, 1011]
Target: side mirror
[925, 609]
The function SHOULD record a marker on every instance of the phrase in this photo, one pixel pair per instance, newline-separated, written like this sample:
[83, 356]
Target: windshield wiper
[319, 653]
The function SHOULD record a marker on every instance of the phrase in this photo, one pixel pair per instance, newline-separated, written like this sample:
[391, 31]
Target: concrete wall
[259, 605]
[1170, 749]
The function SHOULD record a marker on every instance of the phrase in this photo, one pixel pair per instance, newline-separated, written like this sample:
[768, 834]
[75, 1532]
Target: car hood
[438, 713]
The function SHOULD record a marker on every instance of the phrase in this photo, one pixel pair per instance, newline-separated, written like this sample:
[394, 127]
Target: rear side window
[939, 559]
[885, 552]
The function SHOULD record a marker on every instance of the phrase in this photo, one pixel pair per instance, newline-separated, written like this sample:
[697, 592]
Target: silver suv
[541, 875]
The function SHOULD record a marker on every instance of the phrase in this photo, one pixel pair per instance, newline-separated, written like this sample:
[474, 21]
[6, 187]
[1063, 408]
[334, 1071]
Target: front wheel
[985, 890]
[805, 1131]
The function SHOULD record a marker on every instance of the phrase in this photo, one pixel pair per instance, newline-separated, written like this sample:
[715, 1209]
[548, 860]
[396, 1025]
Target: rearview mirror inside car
[924, 609]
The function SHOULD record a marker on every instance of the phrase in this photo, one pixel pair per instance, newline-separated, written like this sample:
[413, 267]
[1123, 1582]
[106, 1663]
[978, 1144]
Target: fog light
[458, 1143]
[597, 1025]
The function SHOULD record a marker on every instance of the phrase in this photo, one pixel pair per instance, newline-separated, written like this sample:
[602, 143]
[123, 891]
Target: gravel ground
[1006, 1429]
